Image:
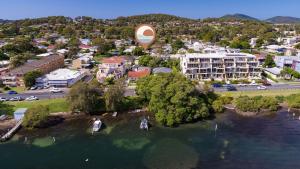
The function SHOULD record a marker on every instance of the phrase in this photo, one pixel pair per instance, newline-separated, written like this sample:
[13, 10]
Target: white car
[56, 90]
[262, 88]
[31, 98]
[3, 99]
[242, 85]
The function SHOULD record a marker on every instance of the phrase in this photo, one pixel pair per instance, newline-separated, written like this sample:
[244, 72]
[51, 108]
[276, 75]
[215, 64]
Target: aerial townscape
[83, 92]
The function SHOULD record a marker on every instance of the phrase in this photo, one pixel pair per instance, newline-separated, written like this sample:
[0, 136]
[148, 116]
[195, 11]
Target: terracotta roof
[84, 46]
[115, 59]
[138, 74]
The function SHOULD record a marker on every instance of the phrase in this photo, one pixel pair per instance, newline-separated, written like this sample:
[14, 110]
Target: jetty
[11, 132]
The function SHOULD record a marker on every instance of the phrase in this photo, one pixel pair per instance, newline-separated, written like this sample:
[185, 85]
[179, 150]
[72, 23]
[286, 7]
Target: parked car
[2, 99]
[11, 92]
[56, 90]
[33, 88]
[231, 88]
[217, 85]
[31, 98]
[242, 84]
[16, 99]
[261, 87]
[266, 83]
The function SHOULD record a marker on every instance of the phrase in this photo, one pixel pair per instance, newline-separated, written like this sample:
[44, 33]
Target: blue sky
[16, 9]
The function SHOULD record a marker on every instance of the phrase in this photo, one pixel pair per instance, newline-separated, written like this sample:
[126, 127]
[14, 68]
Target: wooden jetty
[11, 132]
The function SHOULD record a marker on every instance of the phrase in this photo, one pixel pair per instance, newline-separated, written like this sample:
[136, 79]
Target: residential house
[114, 67]
[135, 75]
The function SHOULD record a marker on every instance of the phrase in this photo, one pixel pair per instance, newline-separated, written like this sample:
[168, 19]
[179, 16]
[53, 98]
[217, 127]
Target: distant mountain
[283, 19]
[239, 17]
[5, 21]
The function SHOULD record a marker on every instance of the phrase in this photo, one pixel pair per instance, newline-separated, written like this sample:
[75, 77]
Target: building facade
[220, 66]
[60, 78]
[114, 67]
[46, 64]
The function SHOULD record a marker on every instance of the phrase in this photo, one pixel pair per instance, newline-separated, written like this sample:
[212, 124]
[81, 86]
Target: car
[217, 85]
[261, 87]
[253, 84]
[33, 88]
[11, 92]
[266, 83]
[242, 85]
[31, 98]
[3, 99]
[56, 90]
[18, 98]
[46, 87]
[231, 88]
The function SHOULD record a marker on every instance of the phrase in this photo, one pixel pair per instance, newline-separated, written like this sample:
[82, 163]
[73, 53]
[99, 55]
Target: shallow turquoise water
[240, 143]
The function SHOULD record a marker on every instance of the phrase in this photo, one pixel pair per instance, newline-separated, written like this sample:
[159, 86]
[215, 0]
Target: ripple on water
[170, 154]
[131, 144]
[43, 142]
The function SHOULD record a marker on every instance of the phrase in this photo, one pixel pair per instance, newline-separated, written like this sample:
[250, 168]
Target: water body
[271, 142]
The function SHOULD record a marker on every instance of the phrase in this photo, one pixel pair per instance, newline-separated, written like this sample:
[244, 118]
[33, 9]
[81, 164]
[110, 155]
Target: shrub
[293, 101]
[256, 104]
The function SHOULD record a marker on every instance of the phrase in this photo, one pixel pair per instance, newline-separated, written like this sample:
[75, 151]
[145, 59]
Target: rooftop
[139, 74]
[63, 74]
[115, 59]
[218, 55]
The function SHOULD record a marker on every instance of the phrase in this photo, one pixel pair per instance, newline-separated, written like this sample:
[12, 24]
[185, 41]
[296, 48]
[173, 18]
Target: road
[130, 91]
[254, 88]
[41, 94]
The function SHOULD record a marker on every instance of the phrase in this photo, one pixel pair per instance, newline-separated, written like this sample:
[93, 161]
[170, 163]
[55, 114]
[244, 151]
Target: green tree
[85, 98]
[29, 78]
[177, 44]
[3, 56]
[269, 62]
[5, 108]
[114, 95]
[172, 98]
[36, 116]
[138, 51]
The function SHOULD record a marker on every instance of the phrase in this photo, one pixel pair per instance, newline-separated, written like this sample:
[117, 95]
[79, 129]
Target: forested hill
[238, 17]
[283, 19]
[152, 18]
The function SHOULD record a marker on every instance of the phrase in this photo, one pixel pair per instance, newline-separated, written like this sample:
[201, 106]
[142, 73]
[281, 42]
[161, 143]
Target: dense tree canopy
[173, 99]
[36, 116]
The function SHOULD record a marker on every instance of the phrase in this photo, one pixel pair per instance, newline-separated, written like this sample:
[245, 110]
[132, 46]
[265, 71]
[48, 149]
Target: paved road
[45, 94]
[41, 94]
[254, 88]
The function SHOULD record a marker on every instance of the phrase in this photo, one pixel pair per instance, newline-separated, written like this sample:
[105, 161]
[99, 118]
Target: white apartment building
[220, 66]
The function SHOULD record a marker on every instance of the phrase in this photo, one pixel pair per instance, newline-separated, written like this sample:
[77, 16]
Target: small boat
[97, 125]
[144, 124]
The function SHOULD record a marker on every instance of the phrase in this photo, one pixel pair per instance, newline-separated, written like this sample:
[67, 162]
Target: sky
[107, 9]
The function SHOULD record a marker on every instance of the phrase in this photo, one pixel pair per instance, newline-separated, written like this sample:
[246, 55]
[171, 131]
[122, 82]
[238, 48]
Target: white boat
[97, 125]
[144, 124]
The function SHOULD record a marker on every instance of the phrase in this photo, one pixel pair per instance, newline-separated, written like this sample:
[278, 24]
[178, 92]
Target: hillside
[238, 17]
[283, 19]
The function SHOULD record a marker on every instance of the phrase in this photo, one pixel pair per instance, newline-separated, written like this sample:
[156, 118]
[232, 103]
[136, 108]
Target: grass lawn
[261, 93]
[55, 105]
